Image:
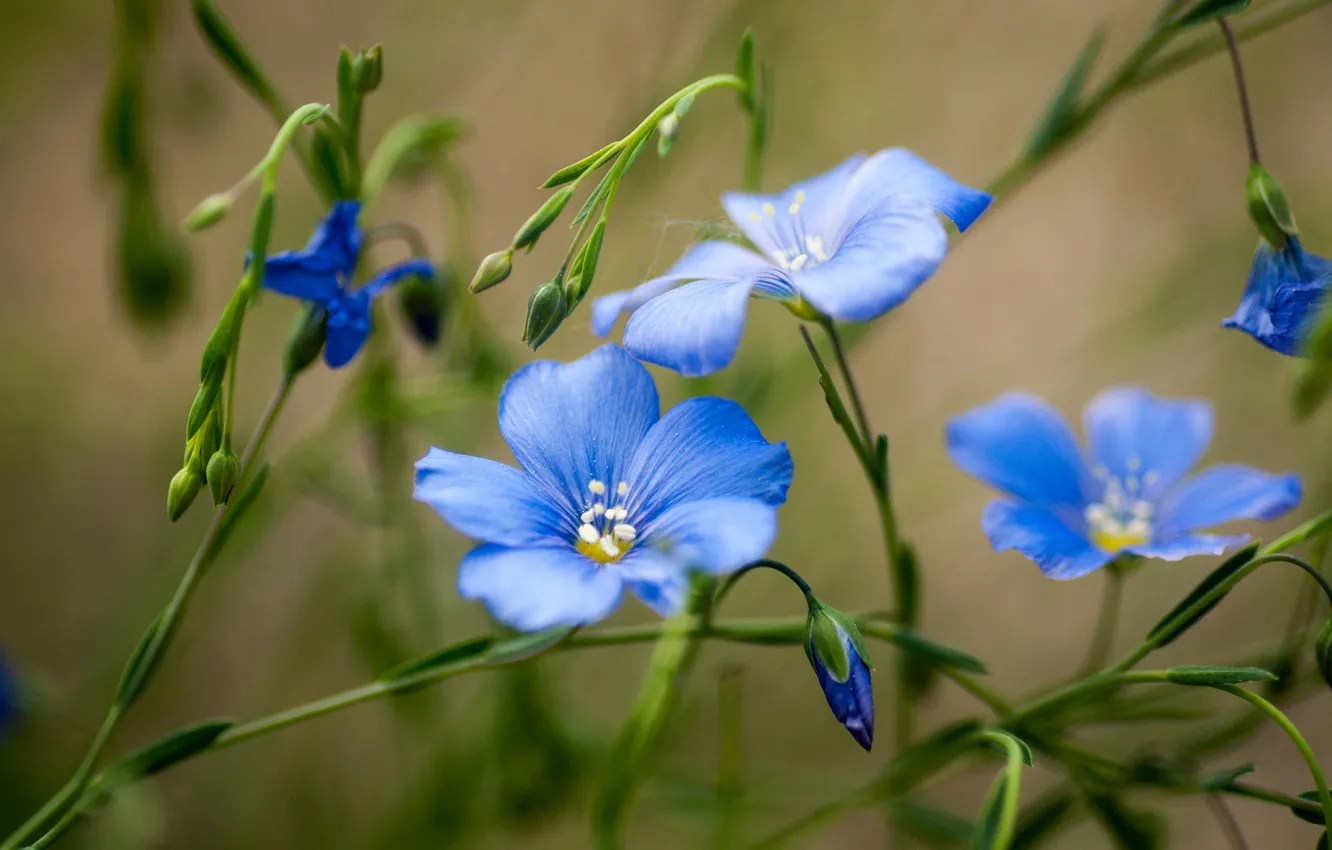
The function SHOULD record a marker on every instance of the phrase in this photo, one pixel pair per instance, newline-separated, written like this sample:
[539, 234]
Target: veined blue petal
[818, 203]
[1188, 545]
[884, 257]
[336, 238]
[1154, 441]
[531, 589]
[694, 329]
[1283, 289]
[656, 578]
[715, 535]
[387, 277]
[348, 328]
[713, 260]
[898, 171]
[851, 701]
[1018, 443]
[299, 275]
[570, 423]
[705, 448]
[1058, 550]
[489, 501]
[1224, 493]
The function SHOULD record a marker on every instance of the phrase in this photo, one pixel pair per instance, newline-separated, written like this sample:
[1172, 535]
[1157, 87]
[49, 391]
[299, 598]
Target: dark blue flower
[609, 495]
[1282, 296]
[850, 244]
[9, 697]
[322, 272]
[1133, 499]
[836, 651]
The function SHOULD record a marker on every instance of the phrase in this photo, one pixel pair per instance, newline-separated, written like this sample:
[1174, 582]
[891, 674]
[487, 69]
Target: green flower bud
[493, 270]
[222, 474]
[532, 229]
[545, 312]
[368, 69]
[836, 651]
[1323, 651]
[668, 129]
[1269, 207]
[184, 487]
[305, 340]
[584, 267]
[209, 212]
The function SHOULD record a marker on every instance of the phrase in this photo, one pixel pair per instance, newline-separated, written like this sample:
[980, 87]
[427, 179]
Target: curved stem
[734, 578]
[1003, 835]
[1241, 89]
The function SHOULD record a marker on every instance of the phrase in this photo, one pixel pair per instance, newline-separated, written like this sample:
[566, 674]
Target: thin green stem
[1266, 795]
[992, 700]
[1012, 784]
[1107, 620]
[1241, 89]
[844, 366]
[763, 563]
[1226, 820]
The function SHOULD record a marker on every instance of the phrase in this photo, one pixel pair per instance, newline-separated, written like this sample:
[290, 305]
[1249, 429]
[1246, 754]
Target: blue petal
[1058, 550]
[299, 275]
[538, 588]
[1224, 493]
[489, 501]
[851, 701]
[1188, 545]
[883, 259]
[715, 535]
[819, 202]
[1132, 433]
[898, 171]
[705, 448]
[694, 330]
[387, 277]
[1019, 444]
[570, 423]
[656, 578]
[1279, 299]
[337, 239]
[9, 697]
[348, 328]
[713, 260]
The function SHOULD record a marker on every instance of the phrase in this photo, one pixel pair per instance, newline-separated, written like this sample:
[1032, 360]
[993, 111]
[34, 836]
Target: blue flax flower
[850, 244]
[321, 273]
[1285, 288]
[1133, 499]
[610, 494]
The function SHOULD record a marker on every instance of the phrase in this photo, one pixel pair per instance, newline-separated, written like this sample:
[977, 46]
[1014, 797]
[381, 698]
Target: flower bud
[837, 653]
[209, 212]
[493, 270]
[368, 69]
[1269, 207]
[532, 229]
[545, 312]
[668, 129]
[584, 267]
[1323, 652]
[305, 340]
[422, 303]
[184, 487]
[222, 473]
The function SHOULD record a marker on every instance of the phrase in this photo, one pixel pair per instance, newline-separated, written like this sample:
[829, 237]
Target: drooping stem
[1226, 820]
[1103, 637]
[1241, 89]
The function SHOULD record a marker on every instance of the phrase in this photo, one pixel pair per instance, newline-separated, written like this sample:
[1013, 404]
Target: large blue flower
[610, 494]
[321, 273]
[1284, 291]
[1134, 499]
[851, 244]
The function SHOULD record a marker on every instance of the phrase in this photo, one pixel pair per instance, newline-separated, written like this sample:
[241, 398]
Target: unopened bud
[1323, 650]
[368, 69]
[493, 270]
[836, 651]
[545, 312]
[222, 473]
[1269, 207]
[584, 267]
[209, 212]
[532, 229]
[184, 487]
[305, 340]
[422, 302]
[667, 130]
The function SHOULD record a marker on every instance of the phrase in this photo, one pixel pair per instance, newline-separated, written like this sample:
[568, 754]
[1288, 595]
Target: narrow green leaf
[1167, 631]
[136, 672]
[935, 653]
[1320, 524]
[446, 657]
[327, 157]
[1324, 843]
[594, 199]
[1041, 820]
[1202, 675]
[927, 755]
[633, 154]
[1062, 111]
[1309, 814]
[1131, 830]
[744, 69]
[986, 835]
[526, 646]
[174, 748]
[1209, 10]
[225, 42]
[928, 824]
[572, 172]
[1217, 781]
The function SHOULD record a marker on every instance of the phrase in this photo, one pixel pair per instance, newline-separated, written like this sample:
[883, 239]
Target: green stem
[1241, 89]
[763, 563]
[823, 816]
[1106, 621]
[730, 756]
[1265, 795]
[1003, 835]
[1292, 732]
[1216, 804]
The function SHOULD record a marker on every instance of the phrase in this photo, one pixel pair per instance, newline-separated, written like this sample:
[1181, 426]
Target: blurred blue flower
[850, 244]
[9, 697]
[322, 271]
[845, 678]
[610, 494]
[1282, 296]
[1134, 499]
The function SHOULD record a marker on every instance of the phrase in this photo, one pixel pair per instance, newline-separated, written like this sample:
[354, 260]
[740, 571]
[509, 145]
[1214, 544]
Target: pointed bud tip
[221, 473]
[545, 311]
[209, 212]
[184, 486]
[1269, 208]
[494, 270]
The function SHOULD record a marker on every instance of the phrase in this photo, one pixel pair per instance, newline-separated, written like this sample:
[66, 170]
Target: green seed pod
[1269, 207]
[184, 487]
[493, 270]
[545, 312]
[305, 340]
[209, 212]
[532, 229]
[222, 474]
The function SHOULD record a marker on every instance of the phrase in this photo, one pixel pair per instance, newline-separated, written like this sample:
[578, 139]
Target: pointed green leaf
[593, 199]
[1217, 781]
[222, 37]
[928, 824]
[1208, 10]
[526, 646]
[1061, 113]
[744, 69]
[174, 748]
[935, 653]
[1041, 820]
[1167, 630]
[1313, 813]
[572, 172]
[1201, 675]
[137, 669]
[986, 835]
[1131, 830]
[443, 658]
[1320, 524]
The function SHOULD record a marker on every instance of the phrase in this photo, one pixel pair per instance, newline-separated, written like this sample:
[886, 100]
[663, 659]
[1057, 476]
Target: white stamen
[1150, 477]
[588, 516]
[814, 244]
[587, 534]
[1131, 483]
[596, 486]
[799, 262]
[625, 532]
[767, 208]
[795, 208]
[1134, 464]
[608, 546]
[598, 509]
[623, 488]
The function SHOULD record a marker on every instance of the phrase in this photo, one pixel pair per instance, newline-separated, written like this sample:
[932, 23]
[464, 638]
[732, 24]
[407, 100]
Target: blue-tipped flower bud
[1323, 652]
[1269, 207]
[545, 312]
[837, 653]
[493, 270]
[532, 229]
[181, 492]
[222, 472]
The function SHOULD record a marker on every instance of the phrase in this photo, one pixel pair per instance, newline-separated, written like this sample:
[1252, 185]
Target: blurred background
[1115, 265]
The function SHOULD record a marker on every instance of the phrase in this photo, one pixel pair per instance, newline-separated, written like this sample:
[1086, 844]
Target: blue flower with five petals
[1133, 499]
[850, 244]
[321, 273]
[1286, 286]
[610, 494]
